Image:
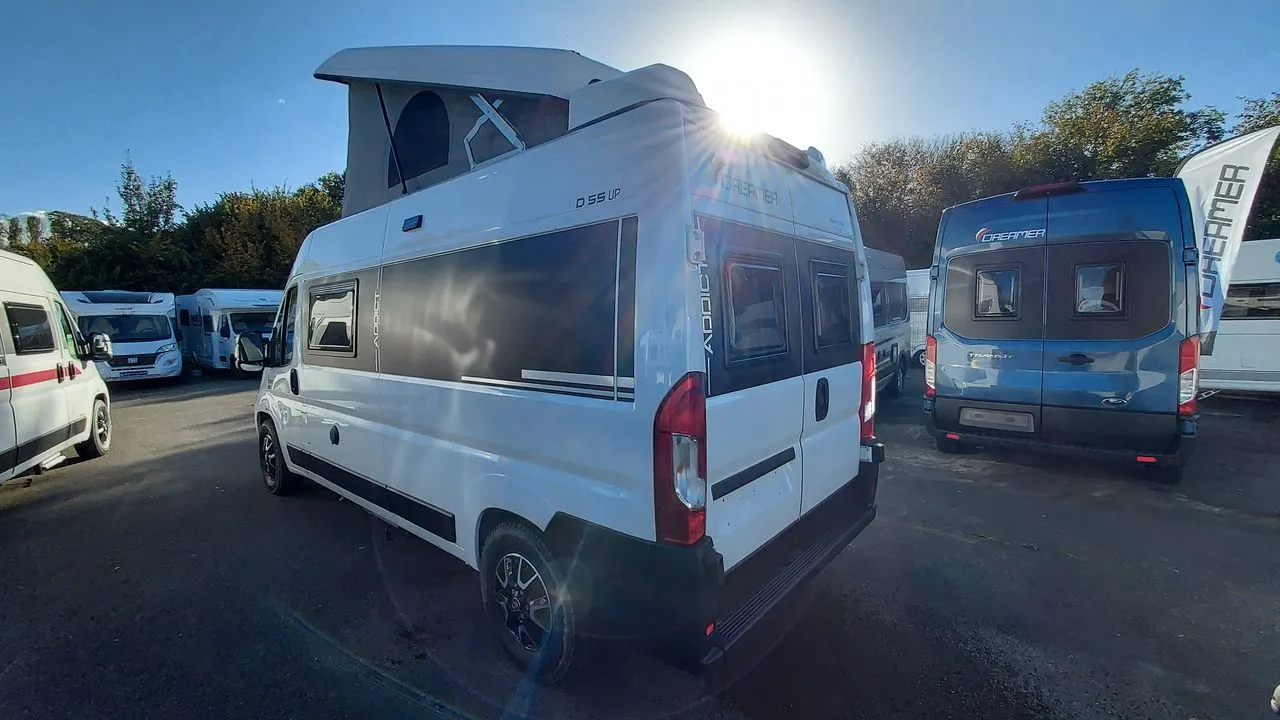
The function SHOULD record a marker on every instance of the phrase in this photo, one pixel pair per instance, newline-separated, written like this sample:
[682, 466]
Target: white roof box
[599, 100]
[533, 71]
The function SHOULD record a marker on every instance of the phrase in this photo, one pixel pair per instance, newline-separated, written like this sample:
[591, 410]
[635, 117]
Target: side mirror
[249, 355]
[100, 347]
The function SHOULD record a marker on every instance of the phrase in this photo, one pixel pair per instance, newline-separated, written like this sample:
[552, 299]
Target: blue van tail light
[930, 366]
[1040, 191]
[680, 463]
[1188, 375]
[868, 406]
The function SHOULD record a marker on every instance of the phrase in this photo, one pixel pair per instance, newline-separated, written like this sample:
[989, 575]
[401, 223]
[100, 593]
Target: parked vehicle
[52, 398]
[918, 310]
[893, 327]
[210, 320]
[1245, 354]
[1065, 318]
[624, 371]
[142, 327]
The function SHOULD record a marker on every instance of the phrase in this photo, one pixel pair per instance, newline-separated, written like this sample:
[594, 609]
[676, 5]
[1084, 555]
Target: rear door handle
[61, 373]
[1076, 359]
[822, 402]
[293, 381]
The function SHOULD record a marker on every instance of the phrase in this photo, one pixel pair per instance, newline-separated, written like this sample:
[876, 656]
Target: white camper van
[51, 396]
[918, 310]
[893, 327]
[210, 320]
[1244, 354]
[573, 333]
[141, 325]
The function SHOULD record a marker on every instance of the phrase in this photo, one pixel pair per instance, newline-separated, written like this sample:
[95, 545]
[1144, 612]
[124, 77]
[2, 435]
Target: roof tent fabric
[449, 109]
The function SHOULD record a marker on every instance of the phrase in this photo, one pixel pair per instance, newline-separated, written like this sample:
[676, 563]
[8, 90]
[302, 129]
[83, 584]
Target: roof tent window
[421, 138]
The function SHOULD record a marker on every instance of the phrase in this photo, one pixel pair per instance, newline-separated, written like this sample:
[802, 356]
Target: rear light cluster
[867, 410]
[930, 366]
[680, 463]
[1188, 375]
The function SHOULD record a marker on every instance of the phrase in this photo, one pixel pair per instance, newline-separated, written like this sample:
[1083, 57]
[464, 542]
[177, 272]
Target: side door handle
[1076, 359]
[61, 373]
[822, 403]
[293, 380]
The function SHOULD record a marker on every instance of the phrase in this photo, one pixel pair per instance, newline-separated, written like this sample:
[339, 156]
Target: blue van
[1064, 318]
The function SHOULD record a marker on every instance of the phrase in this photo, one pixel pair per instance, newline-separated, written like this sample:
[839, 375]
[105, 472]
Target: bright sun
[762, 80]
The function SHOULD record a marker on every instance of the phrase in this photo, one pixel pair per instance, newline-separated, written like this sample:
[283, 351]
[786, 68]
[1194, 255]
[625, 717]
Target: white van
[51, 396]
[893, 326]
[573, 333]
[142, 327]
[918, 310]
[1244, 354]
[210, 320]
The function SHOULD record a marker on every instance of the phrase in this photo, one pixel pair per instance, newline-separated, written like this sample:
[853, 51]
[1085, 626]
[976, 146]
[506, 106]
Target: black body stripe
[15, 456]
[743, 478]
[433, 520]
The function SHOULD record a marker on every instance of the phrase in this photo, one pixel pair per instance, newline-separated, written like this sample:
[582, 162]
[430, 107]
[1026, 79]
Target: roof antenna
[391, 138]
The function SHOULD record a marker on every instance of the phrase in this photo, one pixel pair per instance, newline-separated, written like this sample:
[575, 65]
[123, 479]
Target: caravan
[893, 329]
[142, 328]
[210, 320]
[51, 396]
[1245, 352]
[572, 332]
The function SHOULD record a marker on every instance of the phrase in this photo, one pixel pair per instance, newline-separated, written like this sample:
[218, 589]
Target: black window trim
[1017, 293]
[1077, 314]
[184, 317]
[10, 305]
[1246, 316]
[764, 261]
[354, 286]
[817, 269]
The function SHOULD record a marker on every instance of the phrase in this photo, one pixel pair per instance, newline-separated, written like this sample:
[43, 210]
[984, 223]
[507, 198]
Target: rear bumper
[1179, 451]
[667, 597]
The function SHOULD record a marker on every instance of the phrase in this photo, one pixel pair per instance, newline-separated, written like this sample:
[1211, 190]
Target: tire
[947, 446]
[99, 442]
[275, 474]
[898, 384]
[1166, 474]
[535, 622]
[918, 358]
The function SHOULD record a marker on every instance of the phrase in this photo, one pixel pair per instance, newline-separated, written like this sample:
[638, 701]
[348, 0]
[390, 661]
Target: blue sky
[220, 92]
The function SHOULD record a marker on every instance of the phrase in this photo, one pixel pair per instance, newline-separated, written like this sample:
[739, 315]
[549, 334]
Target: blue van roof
[1098, 184]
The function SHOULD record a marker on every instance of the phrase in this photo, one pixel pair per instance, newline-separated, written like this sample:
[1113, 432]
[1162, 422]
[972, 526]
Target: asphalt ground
[163, 581]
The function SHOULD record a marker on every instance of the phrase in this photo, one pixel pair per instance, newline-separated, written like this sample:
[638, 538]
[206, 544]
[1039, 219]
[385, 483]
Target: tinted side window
[832, 311]
[331, 314]
[535, 313]
[1108, 290]
[30, 328]
[1252, 301]
[69, 333]
[879, 304]
[184, 317]
[897, 301]
[206, 321]
[290, 310]
[421, 138]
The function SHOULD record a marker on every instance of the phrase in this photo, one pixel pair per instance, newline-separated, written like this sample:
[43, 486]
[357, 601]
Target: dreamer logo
[985, 235]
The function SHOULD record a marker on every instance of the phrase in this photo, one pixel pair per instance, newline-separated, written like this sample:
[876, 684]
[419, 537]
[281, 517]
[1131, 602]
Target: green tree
[1264, 220]
[35, 229]
[13, 232]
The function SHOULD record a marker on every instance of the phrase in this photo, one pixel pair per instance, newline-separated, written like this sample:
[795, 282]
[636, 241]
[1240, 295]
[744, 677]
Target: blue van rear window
[1100, 289]
[997, 293]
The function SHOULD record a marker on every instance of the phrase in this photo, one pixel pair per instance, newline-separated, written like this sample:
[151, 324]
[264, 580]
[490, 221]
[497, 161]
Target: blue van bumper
[1180, 449]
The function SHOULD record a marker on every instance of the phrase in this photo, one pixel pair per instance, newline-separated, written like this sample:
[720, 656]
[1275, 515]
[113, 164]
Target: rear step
[803, 550]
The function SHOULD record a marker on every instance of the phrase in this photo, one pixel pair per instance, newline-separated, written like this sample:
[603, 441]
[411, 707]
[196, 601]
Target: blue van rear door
[990, 338]
[1111, 340]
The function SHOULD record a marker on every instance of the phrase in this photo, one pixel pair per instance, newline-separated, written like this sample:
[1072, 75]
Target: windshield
[259, 322]
[128, 328]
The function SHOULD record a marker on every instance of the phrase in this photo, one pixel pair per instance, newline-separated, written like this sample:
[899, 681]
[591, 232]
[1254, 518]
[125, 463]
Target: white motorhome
[52, 398]
[918, 309]
[572, 332]
[893, 328]
[142, 327]
[1244, 354]
[210, 320]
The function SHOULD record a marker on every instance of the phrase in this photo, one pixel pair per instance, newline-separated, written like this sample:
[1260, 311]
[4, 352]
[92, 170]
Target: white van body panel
[1246, 348]
[208, 337]
[133, 360]
[46, 395]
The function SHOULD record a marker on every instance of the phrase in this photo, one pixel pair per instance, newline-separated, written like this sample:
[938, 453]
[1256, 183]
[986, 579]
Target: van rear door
[755, 391]
[1111, 336]
[990, 343]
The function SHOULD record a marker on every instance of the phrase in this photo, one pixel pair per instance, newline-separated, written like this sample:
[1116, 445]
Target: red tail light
[680, 463]
[1188, 375]
[930, 366]
[868, 407]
